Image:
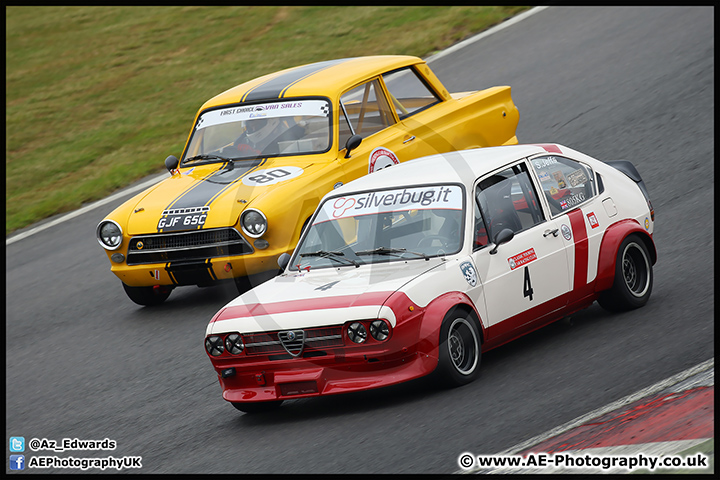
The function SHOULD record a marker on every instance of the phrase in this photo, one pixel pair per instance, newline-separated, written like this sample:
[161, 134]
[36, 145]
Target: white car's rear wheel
[633, 277]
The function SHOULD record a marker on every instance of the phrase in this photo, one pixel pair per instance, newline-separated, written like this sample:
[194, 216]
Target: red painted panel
[549, 147]
[577, 222]
[612, 238]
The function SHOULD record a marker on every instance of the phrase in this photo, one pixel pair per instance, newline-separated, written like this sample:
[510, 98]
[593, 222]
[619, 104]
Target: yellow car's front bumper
[206, 265]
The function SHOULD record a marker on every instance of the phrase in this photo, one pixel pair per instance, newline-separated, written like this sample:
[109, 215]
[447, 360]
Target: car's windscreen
[290, 127]
[414, 223]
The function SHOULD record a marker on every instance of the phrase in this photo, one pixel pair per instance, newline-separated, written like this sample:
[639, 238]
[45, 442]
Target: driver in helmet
[262, 135]
[258, 135]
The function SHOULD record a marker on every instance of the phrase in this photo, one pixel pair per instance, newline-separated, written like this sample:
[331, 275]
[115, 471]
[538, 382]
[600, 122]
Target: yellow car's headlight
[253, 223]
[109, 234]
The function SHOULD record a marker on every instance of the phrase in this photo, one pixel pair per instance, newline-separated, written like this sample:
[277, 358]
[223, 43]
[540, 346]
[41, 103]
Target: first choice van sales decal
[316, 108]
[448, 197]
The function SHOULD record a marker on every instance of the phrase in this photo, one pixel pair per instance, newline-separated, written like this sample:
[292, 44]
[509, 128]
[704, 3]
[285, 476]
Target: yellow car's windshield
[288, 127]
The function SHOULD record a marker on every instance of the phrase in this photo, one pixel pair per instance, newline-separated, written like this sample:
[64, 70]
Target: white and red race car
[416, 269]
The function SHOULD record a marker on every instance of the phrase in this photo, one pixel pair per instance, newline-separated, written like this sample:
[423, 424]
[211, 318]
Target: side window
[505, 199]
[408, 93]
[565, 183]
[364, 111]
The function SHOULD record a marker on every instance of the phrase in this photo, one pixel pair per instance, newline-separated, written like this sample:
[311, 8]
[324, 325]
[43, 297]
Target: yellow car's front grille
[182, 246]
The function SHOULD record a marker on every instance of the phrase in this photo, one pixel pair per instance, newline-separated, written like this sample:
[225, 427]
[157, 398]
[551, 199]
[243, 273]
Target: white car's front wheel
[460, 349]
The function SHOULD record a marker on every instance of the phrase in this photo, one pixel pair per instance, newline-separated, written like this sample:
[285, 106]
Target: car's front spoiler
[309, 378]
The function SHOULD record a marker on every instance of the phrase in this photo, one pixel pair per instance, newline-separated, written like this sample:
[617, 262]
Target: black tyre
[148, 296]
[257, 407]
[460, 350]
[633, 277]
[243, 284]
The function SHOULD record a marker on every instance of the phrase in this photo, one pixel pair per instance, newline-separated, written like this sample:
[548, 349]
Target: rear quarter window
[564, 182]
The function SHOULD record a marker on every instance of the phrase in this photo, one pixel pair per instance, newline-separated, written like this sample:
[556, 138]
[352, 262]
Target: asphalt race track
[85, 362]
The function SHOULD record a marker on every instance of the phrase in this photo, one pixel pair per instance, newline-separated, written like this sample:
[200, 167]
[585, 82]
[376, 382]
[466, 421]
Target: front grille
[315, 339]
[293, 341]
[195, 245]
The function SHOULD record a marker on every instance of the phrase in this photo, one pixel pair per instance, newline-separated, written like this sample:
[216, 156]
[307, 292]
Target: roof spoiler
[629, 169]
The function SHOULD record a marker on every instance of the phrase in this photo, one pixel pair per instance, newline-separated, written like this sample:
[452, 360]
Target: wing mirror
[351, 144]
[503, 236]
[283, 260]
[171, 163]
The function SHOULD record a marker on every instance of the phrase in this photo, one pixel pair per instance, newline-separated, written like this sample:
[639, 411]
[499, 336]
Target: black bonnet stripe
[206, 190]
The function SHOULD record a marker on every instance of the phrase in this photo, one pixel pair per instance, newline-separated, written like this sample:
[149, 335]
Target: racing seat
[450, 229]
[502, 213]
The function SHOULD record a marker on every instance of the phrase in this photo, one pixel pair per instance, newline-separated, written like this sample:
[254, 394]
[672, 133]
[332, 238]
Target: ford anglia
[260, 156]
[417, 269]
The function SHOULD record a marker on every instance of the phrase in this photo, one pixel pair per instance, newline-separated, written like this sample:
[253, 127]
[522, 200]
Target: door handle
[407, 140]
[554, 233]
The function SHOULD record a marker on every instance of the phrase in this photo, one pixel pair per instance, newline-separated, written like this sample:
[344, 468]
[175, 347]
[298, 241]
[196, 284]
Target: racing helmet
[258, 129]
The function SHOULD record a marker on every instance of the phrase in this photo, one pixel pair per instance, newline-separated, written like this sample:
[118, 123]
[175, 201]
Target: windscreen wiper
[337, 256]
[204, 156]
[390, 251]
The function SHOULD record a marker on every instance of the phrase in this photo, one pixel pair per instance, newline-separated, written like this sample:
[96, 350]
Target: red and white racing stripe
[283, 315]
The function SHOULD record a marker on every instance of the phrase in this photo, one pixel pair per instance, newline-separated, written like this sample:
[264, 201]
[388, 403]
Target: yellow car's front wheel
[148, 296]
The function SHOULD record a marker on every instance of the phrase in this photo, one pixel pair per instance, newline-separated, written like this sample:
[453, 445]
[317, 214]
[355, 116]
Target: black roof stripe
[275, 87]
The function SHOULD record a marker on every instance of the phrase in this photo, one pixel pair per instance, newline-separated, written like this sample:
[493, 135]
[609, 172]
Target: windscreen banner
[444, 197]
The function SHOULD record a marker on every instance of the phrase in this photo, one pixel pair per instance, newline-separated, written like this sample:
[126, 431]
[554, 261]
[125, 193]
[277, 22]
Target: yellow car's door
[365, 111]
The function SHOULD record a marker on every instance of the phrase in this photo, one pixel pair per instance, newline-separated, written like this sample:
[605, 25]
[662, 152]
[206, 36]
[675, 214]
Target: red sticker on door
[593, 220]
[522, 259]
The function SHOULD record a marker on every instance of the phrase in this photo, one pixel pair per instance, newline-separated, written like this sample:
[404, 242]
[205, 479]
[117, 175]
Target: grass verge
[97, 97]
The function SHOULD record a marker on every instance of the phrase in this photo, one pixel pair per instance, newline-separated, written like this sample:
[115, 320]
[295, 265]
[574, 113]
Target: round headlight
[379, 330]
[214, 345]
[234, 344]
[109, 234]
[253, 222]
[356, 332]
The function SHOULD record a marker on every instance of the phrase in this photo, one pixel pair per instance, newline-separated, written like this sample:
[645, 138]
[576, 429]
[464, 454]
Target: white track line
[501, 26]
[92, 206]
[83, 210]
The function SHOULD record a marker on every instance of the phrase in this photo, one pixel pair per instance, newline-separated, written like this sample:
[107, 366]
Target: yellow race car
[260, 156]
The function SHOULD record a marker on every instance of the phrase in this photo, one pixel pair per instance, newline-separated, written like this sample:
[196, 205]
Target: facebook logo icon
[17, 462]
